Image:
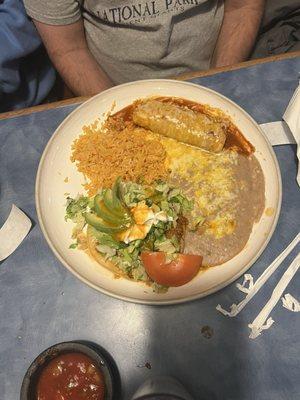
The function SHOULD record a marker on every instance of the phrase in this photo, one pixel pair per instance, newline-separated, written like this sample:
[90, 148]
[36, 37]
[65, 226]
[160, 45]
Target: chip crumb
[146, 365]
[207, 332]
[66, 180]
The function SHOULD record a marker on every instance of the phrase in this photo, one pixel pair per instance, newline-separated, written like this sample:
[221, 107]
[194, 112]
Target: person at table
[97, 44]
[26, 75]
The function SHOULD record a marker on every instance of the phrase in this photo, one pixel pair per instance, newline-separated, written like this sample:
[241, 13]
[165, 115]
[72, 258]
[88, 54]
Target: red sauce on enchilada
[235, 140]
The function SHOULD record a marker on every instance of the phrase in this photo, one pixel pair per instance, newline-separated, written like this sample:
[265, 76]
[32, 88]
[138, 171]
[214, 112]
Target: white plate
[55, 166]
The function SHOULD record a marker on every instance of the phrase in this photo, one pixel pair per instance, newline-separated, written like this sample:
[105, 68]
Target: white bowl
[55, 166]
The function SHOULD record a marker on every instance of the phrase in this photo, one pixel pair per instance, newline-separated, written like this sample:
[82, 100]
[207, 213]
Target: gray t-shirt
[140, 39]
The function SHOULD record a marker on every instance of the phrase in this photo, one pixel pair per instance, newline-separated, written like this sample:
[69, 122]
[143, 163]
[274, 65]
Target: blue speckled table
[41, 303]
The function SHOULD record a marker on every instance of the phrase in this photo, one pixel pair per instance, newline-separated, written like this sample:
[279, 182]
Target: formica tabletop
[41, 303]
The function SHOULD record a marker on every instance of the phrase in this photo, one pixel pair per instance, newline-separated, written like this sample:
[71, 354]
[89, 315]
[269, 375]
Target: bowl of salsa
[70, 370]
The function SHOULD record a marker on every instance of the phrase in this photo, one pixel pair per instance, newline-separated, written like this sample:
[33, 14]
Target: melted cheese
[142, 213]
[209, 179]
[144, 218]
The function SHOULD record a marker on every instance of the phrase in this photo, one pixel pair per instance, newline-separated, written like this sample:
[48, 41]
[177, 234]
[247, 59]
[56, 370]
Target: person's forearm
[238, 32]
[67, 49]
[81, 73]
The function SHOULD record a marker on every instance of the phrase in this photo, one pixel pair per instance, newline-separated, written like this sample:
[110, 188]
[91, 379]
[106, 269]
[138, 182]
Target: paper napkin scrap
[278, 133]
[13, 232]
[248, 280]
[262, 322]
[292, 118]
[254, 287]
[287, 131]
[289, 302]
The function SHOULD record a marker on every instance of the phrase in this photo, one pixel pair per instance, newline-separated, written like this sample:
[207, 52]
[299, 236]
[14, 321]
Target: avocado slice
[104, 213]
[109, 204]
[100, 225]
[156, 198]
[91, 231]
[115, 192]
[120, 193]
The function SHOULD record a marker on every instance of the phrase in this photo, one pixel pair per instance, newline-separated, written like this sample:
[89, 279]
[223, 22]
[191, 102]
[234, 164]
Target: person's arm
[18, 39]
[238, 32]
[69, 52]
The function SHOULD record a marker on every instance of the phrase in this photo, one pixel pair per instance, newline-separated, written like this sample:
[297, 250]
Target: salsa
[71, 376]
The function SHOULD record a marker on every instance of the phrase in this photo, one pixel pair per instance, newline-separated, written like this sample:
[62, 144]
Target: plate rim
[160, 302]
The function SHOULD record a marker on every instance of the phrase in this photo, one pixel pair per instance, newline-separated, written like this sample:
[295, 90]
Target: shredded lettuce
[162, 187]
[159, 288]
[106, 250]
[74, 211]
[167, 204]
[133, 193]
[76, 207]
[199, 221]
[105, 239]
[165, 245]
[173, 193]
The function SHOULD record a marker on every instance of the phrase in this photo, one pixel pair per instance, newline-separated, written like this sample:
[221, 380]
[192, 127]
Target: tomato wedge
[175, 273]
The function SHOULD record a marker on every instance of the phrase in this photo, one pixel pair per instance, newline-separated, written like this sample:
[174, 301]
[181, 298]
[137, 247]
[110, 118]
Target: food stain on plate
[269, 212]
